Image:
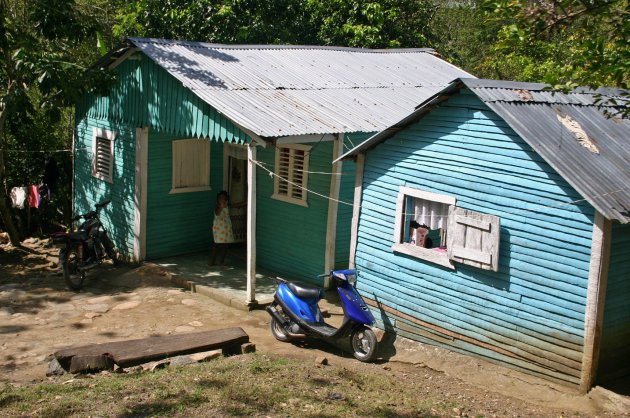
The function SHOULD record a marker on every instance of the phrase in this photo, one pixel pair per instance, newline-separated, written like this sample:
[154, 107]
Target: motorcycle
[84, 248]
[295, 314]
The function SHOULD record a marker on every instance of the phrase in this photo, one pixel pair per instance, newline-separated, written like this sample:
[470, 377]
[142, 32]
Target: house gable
[145, 95]
[530, 313]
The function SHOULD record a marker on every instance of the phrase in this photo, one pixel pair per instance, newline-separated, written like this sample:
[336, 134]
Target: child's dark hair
[223, 193]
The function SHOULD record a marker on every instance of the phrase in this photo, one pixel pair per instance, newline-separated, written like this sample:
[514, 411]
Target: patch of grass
[236, 386]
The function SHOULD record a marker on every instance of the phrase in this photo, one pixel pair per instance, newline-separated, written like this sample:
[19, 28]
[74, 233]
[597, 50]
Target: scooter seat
[305, 291]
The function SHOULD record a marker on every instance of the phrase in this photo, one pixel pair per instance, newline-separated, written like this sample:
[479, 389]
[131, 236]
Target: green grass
[251, 385]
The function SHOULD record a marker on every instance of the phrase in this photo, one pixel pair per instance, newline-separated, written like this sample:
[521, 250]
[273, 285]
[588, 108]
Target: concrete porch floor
[227, 284]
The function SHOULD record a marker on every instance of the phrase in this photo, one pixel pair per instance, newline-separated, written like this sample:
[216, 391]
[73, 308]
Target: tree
[357, 23]
[39, 74]
[563, 42]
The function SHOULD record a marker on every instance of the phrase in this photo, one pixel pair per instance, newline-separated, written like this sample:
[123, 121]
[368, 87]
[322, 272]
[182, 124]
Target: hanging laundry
[51, 174]
[33, 196]
[18, 196]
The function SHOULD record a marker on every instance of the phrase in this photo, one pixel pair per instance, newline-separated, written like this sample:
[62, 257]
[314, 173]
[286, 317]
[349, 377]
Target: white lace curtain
[432, 214]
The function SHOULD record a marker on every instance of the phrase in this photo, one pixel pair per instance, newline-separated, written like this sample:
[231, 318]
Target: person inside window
[420, 235]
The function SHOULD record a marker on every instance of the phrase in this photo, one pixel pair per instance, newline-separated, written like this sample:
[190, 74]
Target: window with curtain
[422, 220]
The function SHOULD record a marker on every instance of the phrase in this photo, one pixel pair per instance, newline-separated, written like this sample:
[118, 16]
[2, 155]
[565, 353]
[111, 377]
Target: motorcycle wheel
[278, 330]
[363, 344]
[72, 276]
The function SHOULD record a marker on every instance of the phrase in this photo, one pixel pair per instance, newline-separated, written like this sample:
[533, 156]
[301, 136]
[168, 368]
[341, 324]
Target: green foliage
[46, 48]
[564, 43]
[358, 23]
[461, 34]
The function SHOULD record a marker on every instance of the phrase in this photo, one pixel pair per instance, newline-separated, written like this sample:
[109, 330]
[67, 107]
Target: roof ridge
[198, 44]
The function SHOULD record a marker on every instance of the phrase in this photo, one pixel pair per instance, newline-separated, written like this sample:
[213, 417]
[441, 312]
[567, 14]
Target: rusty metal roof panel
[572, 131]
[297, 90]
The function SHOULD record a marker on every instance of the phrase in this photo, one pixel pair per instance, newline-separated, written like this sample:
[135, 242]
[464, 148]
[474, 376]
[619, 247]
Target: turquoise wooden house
[187, 119]
[525, 194]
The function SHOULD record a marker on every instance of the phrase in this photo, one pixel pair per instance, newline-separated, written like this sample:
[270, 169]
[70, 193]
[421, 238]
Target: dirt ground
[39, 316]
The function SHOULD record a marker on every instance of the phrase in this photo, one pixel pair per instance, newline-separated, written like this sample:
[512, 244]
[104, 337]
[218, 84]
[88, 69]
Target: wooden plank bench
[135, 352]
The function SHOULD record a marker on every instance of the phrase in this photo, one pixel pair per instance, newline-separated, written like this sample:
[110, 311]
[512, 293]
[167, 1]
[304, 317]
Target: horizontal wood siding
[530, 314]
[146, 95]
[615, 347]
[89, 190]
[346, 196]
[178, 223]
[291, 239]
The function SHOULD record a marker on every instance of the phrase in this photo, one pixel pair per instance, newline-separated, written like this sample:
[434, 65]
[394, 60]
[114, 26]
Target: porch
[227, 284]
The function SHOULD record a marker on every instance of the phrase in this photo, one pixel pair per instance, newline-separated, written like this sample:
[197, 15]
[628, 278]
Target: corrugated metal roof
[297, 90]
[598, 167]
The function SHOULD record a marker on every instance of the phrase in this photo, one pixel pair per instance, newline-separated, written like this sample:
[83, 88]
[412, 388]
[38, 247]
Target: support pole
[595, 300]
[333, 208]
[251, 225]
[356, 208]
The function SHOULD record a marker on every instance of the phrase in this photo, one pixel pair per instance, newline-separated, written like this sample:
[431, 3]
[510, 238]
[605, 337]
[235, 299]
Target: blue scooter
[295, 315]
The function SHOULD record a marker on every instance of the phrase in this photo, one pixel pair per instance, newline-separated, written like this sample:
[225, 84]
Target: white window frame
[202, 149]
[98, 171]
[428, 254]
[292, 181]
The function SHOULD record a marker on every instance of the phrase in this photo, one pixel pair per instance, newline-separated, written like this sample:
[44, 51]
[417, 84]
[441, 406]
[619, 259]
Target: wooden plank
[333, 207]
[134, 352]
[471, 255]
[356, 208]
[476, 223]
[140, 199]
[595, 300]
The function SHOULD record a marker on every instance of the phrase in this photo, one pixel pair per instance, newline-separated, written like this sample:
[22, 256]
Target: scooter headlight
[351, 278]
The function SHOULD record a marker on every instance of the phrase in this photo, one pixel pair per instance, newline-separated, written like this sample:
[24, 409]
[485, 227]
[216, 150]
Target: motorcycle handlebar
[103, 203]
[92, 213]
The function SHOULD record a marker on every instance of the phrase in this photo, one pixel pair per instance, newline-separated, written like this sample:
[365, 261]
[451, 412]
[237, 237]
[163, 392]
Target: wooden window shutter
[473, 238]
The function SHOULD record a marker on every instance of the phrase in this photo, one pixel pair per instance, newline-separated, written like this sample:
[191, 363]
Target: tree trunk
[5, 208]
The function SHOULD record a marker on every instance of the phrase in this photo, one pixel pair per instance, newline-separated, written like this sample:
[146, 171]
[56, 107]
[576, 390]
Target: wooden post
[595, 300]
[251, 224]
[333, 209]
[140, 195]
[356, 207]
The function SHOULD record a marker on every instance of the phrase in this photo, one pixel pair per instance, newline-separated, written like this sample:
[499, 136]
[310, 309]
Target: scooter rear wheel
[278, 331]
[363, 344]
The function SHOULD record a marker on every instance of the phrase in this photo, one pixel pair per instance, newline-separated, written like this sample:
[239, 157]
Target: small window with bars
[291, 173]
[103, 154]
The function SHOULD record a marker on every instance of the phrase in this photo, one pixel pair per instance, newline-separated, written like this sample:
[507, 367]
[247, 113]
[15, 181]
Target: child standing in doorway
[221, 228]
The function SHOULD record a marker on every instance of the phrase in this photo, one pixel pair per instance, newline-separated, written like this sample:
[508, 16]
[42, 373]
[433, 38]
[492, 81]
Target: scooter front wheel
[363, 344]
[278, 331]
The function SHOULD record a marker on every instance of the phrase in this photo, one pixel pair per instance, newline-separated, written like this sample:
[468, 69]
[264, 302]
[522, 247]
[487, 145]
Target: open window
[103, 154]
[191, 165]
[431, 227]
[291, 173]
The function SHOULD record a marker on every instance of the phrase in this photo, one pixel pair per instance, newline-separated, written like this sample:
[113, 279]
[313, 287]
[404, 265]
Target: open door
[235, 182]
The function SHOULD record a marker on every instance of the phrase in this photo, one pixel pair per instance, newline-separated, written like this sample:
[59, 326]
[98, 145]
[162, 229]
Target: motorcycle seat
[305, 291]
[79, 235]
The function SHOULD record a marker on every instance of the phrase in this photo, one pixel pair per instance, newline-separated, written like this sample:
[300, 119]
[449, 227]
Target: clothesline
[517, 212]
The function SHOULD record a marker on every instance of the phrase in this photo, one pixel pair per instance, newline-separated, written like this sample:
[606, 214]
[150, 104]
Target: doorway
[235, 182]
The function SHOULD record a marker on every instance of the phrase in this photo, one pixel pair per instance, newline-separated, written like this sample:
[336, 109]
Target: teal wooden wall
[118, 216]
[615, 349]
[346, 194]
[146, 95]
[291, 239]
[178, 223]
[530, 314]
